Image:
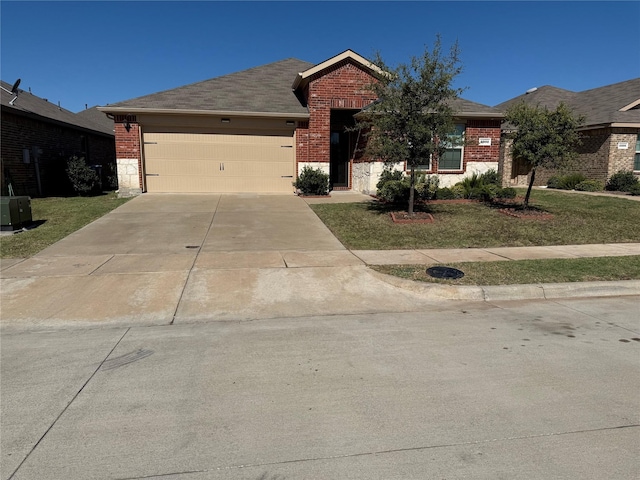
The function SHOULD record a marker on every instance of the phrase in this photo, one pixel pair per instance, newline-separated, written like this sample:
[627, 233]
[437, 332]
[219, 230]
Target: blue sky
[96, 53]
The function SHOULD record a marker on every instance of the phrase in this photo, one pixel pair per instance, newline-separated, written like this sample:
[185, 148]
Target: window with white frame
[452, 158]
[636, 160]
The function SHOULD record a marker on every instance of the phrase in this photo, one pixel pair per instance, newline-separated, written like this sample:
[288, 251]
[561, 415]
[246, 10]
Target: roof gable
[305, 76]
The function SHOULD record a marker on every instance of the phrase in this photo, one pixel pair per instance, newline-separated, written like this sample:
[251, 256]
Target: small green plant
[590, 186]
[387, 175]
[426, 187]
[84, 180]
[635, 189]
[312, 181]
[622, 181]
[569, 182]
[445, 194]
[554, 181]
[507, 192]
[490, 177]
[395, 191]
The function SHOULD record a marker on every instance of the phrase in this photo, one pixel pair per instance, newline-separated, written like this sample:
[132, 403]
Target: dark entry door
[339, 167]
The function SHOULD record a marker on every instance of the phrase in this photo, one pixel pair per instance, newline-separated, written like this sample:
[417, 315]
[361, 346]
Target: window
[636, 160]
[452, 158]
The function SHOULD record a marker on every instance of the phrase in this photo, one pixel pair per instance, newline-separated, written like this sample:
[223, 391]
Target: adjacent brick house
[37, 139]
[254, 131]
[610, 134]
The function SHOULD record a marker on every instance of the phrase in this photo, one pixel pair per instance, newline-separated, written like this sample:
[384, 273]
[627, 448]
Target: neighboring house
[610, 133]
[254, 131]
[38, 137]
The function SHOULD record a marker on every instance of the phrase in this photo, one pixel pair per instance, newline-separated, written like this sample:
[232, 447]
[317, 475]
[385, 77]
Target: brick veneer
[342, 86]
[128, 145]
[57, 143]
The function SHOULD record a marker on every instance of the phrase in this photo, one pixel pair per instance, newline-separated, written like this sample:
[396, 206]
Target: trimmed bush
[622, 181]
[445, 194]
[554, 182]
[395, 192]
[507, 192]
[387, 176]
[426, 187]
[490, 177]
[312, 181]
[84, 180]
[635, 190]
[569, 182]
[590, 186]
[457, 190]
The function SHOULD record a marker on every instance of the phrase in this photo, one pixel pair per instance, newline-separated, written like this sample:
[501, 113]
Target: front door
[339, 167]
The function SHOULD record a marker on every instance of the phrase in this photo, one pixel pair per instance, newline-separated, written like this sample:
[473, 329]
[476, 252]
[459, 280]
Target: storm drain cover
[445, 272]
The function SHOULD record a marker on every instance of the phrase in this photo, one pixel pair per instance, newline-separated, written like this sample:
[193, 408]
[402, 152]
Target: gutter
[225, 113]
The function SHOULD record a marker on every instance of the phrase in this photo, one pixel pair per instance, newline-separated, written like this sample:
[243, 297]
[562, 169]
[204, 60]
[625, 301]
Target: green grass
[59, 216]
[577, 219]
[528, 271]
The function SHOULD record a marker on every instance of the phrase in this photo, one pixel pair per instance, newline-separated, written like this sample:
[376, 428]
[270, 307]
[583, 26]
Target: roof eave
[226, 113]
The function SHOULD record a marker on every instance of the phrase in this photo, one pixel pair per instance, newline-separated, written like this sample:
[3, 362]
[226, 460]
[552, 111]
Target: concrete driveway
[165, 258]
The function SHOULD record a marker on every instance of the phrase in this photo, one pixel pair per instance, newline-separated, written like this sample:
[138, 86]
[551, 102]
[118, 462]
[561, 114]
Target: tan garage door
[207, 162]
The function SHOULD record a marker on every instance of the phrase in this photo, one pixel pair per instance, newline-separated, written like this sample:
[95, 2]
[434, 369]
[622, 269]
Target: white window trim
[637, 153]
[457, 147]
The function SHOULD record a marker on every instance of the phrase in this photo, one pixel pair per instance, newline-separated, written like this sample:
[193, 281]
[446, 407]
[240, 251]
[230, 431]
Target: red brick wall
[343, 86]
[57, 143]
[482, 129]
[128, 142]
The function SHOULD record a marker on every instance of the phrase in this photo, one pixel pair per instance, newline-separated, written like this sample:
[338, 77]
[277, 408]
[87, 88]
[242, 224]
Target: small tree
[412, 119]
[82, 177]
[544, 138]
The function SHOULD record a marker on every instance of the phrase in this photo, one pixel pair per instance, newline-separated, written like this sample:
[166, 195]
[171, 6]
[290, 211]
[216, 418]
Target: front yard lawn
[577, 219]
[528, 271]
[59, 216]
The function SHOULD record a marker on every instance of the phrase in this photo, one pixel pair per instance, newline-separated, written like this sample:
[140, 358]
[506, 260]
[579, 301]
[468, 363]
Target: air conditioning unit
[15, 212]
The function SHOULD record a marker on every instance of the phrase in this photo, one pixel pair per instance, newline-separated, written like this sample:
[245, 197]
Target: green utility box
[15, 212]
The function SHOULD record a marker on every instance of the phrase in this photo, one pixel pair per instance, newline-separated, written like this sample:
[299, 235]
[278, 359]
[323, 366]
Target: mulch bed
[418, 217]
[530, 214]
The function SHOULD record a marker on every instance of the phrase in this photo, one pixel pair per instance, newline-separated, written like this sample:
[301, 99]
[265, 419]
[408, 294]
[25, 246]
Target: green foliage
[312, 181]
[471, 186]
[543, 137]
[413, 109]
[490, 177]
[388, 175]
[445, 194]
[554, 181]
[506, 192]
[635, 189]
[622, 181]
[395, 191]
[84, 180]
[589, 186]
[569, 181]
[458, 191]
[426, 187]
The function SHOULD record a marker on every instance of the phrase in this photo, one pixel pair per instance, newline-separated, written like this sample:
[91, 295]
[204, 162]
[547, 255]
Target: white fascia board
[223, 113]
[332, 61]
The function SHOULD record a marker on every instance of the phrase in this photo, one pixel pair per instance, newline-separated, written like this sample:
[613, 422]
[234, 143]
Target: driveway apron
[164, 258]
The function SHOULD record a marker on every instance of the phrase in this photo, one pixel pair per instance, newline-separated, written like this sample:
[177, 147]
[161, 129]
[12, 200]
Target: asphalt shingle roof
[264, 89]
[94, 116]
[28, 103]
[599, 105]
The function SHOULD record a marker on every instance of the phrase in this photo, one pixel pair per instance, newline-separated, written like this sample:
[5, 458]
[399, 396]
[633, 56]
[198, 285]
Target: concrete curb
[539, 291]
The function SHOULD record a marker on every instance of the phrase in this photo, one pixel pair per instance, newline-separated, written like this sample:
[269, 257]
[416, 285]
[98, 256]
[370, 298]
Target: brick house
[37, 139]
[610, 134]
[255, 130]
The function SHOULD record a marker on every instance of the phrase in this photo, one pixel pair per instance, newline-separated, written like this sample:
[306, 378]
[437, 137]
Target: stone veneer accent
[128, 177]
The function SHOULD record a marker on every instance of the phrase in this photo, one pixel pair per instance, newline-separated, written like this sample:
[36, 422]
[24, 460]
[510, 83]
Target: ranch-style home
[610, 134]
[255, 130]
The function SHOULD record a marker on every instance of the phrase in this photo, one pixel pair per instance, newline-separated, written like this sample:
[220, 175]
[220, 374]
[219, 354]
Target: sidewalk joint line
[195, 259]
[69, 404]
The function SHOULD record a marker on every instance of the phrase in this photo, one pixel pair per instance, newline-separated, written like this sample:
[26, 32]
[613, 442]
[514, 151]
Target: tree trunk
[526, 197]
[412, 181]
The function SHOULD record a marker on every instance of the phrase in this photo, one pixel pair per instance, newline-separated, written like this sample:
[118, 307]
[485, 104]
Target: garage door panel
[186, 162]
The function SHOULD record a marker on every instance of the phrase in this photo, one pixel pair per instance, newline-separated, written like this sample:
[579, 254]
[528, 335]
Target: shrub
[387, 176]
[569, 182]
[426, 187]
[395, 191]
[445, 194]
[490, 177]
[84, 180]
[312, 181]
[506, 192]
[554, 182]
[635, 189]
[622, 181]
[457, 191]
[589, 186]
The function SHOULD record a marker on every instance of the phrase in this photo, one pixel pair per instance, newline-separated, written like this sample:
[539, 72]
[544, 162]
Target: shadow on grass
[382, 208]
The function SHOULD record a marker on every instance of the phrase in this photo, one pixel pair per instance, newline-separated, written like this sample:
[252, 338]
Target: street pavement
[232, 336]
[483, 390]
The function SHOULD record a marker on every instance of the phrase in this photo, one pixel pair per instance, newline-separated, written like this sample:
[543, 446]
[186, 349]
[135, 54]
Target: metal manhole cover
[445, 272]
